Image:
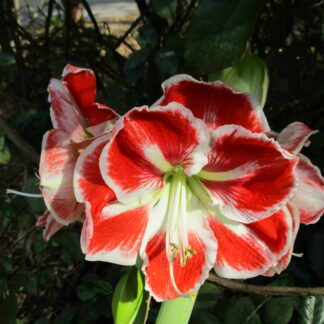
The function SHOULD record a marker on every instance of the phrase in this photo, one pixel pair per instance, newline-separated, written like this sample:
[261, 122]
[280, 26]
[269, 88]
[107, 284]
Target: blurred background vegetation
[49, 282]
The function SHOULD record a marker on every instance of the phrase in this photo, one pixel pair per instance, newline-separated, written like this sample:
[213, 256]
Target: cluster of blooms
[194, 182]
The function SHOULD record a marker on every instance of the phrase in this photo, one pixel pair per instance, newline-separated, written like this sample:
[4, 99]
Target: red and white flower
[186, 185]
[76, 119]
[307, 205]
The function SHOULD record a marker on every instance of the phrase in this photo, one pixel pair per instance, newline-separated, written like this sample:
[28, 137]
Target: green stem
[176, 311]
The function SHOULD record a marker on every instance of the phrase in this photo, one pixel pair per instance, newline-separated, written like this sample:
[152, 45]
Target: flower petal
[215, 103]
[51, 225]
[57, 163]
[82, 85]
[309, 198]
[247, 250]
[284, 261]
[294, 137]
[160, 281]
[114, 235]
[249, 176]
[64, 111]
[88, 183]
[147, 144]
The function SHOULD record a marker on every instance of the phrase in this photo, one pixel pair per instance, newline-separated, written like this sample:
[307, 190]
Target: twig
[265, 290]
[93, 19]
[129, 30]
[25, 148]
[148, 302]
[47, 24]
[256, 309]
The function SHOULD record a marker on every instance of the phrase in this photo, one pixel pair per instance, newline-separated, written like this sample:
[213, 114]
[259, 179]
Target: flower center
[176, 226]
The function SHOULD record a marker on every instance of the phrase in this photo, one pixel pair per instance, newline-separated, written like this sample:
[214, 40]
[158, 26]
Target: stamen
[175, 287]
[298, 255]
[25, 194]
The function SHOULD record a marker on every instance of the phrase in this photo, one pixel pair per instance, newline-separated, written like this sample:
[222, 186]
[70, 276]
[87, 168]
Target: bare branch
[265, 290]
[25, 148]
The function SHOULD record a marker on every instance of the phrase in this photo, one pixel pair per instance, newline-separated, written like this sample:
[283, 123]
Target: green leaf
[311, 311]
[69, 243]
[24, 282]
[6, 60]
[208, 297]
[164, 8]
[5, 154]
[218, 33]
[249, 75]
[39, 245]
[240, 310]
[36, 205]
[279, 310]
[136, 59]
[204, 318]
[43, 321]
[91, 286]
[9, 310]
[128, 296]
[65, 317]
[24, 220]
[167, 63]
[147, 36]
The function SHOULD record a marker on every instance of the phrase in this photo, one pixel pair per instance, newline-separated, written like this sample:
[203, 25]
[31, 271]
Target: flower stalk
[177, 311]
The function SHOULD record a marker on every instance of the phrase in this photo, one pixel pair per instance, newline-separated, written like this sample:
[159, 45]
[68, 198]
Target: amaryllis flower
[308, 201]
[76, 119]
[189, 184]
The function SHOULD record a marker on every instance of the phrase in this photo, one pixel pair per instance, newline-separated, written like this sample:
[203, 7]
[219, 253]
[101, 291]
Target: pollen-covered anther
[174, 251]
[189, 252]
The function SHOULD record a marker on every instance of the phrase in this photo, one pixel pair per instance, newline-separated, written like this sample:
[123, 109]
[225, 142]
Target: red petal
[215, 103]
[88, 183]
[65, 114]
[284, 261]
[57, 163]
[147, 144]
[82, 85]
[156, 268]
[251, 177]
[114, 238]
[245, 251]
[294, 137]
[51, 225]
[309, 198]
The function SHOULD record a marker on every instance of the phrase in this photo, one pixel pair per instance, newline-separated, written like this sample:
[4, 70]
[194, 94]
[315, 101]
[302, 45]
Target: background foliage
[49, 282]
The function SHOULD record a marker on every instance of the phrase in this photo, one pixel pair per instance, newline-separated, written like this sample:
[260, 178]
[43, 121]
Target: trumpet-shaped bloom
[186, 185]
[307, 205]
[76, 118]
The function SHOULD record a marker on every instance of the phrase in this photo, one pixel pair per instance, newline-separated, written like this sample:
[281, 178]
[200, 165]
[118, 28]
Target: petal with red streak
[64, 111]
[148, 144]
[215, 103]
[156, 267]
[112, 237]
[82, 85]
[294, 137]
[284, 261]
[309, 198]
[248, 175]
[247, 250]
[57, 164]
[51, 225]
[88, 183]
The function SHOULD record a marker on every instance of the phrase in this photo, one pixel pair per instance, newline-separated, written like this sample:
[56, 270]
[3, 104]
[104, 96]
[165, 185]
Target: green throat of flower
[181, 190]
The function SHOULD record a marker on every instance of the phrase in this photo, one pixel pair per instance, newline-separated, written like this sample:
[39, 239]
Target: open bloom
[308, 201]
[76, 120]
[186, 185]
